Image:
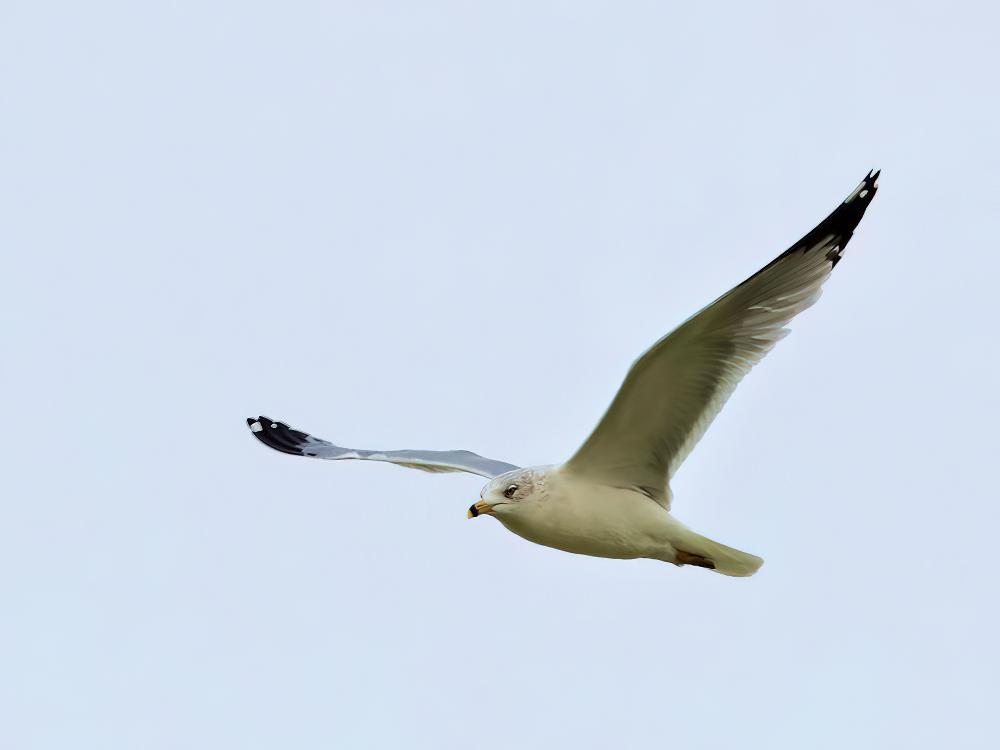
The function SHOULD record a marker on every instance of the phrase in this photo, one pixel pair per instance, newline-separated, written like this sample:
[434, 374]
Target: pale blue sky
[455, 225]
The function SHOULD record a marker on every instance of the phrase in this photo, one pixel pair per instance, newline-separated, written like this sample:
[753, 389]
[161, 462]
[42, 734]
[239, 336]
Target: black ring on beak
[473, 511]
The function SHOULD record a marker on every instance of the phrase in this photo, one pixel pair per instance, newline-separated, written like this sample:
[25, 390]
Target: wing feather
[281, 437]
[675, 389]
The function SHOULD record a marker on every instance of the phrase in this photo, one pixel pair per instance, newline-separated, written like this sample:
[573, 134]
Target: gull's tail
[695, 549]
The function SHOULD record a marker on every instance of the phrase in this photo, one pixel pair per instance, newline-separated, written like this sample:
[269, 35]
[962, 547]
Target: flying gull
[612, 499]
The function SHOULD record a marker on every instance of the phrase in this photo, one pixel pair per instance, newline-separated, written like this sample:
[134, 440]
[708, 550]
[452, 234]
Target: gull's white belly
[594, 520]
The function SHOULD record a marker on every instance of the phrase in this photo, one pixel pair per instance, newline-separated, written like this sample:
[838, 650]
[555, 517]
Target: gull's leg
[687, 558]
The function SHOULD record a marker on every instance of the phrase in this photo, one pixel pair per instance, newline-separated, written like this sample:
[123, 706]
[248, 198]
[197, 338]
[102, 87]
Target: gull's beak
[480, 508]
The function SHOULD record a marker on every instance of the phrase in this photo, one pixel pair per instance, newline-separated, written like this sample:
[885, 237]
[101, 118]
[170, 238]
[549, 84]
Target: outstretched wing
[281, 437]
[675, 389]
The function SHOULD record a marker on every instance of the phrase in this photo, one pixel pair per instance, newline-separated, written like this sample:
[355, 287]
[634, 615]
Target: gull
[612, 498]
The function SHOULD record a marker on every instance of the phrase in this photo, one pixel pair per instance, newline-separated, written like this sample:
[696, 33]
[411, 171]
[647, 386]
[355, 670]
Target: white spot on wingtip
[255, 427]
[854, 194]
[863, 193]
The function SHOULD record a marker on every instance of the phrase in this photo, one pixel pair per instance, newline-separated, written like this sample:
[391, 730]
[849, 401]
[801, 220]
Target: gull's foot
[687, 558]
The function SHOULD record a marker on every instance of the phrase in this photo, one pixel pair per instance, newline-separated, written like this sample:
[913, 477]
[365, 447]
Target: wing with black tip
[281, 437]
[672, 393]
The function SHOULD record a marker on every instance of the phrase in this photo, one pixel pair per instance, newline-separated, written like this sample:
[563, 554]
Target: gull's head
[509, 492]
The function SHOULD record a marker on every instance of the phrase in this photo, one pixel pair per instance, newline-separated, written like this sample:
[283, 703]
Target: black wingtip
[845, 218]
[840, 225]
[278, 435]
[871, 180]
[865, 190]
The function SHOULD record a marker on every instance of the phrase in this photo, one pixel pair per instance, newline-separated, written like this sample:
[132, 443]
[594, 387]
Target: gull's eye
[509, 492]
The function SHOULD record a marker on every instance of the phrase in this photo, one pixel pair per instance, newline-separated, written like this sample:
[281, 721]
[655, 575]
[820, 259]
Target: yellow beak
[480, 508]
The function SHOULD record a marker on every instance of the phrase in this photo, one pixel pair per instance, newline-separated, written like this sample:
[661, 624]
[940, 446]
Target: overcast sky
[454, 226]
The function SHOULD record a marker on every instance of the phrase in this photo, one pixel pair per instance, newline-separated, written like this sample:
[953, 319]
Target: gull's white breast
[591, 519]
